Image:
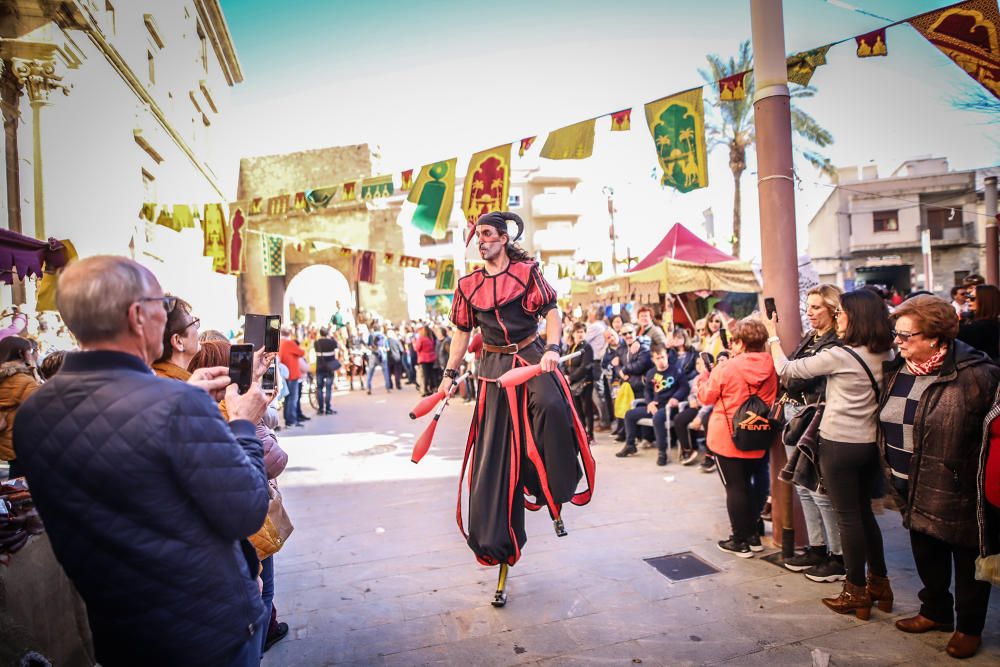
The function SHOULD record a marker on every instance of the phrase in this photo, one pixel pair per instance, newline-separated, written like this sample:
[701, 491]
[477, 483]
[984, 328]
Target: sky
[431, 80]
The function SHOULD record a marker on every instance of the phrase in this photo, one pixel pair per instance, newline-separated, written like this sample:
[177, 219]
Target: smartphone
[706, 358]
[241, 366]
[267, 383]
[769, 307]
[272, 332]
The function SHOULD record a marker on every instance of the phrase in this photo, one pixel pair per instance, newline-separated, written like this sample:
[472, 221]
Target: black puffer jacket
[947, 439]
[146, 493]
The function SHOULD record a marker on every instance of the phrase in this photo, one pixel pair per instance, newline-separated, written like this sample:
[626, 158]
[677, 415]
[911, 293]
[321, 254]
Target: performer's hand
[445, 385]
[549, 362]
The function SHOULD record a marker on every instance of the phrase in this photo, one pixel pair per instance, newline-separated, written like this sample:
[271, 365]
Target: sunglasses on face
[904, 335]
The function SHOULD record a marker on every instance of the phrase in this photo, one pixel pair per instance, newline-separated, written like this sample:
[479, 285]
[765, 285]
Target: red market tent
[680, 244]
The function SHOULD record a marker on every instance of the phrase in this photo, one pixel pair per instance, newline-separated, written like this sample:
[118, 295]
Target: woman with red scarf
[937, 393]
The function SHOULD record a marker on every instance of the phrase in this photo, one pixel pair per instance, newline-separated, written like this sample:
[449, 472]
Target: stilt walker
[527, 447]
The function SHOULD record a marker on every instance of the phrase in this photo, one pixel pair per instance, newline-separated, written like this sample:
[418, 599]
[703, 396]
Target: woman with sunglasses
[848, 454]
[180, 340]
[937, 394]
[982, 330]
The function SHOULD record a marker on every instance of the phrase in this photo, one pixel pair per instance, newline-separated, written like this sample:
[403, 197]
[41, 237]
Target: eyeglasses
[904, 335]
[169, 302]
[838, 312]
[193, 323]
[628, 333]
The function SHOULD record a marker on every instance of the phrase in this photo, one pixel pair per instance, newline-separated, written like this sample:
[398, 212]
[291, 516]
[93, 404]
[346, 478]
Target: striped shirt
[897, 418]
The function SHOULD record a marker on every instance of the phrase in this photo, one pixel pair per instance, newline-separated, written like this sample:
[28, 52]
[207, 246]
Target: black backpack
[752, 428]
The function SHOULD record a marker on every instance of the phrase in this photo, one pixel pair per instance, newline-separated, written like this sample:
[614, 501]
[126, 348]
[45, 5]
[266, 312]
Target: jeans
[248, 655]
[396, 372]
[292, 403]
[377, 361]
[821, 519]
[660, 427]
[324, 389]
[933, 558]
[681, 423]
[429, 377]
[267, 593]
[760, 483]
[849, 470]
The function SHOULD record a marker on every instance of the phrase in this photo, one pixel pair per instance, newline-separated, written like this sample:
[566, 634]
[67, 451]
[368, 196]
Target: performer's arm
[459, 346]
[553, 332]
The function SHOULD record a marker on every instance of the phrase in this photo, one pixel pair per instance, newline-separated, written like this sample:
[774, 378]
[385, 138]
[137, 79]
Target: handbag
[277, 525]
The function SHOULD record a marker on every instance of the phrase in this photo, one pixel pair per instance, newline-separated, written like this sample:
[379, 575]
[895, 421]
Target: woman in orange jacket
[730, 384]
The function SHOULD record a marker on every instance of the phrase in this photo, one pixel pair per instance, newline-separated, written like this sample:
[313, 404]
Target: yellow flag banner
[214, 226]
[166, 220]
[183, 218]
[573, 142]
[677, 125]
[46, 297]
[446, 274]
[277, 205]
[525, 145]
[434, 194]
[802, 66]
[968, 34]
[486, 183]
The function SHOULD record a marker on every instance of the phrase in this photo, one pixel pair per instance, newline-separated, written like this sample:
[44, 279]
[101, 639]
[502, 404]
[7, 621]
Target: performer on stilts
[527, 446]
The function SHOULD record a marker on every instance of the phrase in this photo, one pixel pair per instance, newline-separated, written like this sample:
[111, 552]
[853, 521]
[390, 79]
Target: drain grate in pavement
[678, 567]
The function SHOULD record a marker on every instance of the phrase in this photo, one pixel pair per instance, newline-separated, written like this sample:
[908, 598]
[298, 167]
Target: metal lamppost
[610, 193]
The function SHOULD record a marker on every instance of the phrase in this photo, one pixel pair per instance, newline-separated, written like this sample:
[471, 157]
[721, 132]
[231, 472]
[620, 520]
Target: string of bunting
[676, 124]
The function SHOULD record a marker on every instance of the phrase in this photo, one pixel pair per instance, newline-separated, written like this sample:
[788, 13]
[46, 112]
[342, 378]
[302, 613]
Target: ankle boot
[880, 592]
[853, 599]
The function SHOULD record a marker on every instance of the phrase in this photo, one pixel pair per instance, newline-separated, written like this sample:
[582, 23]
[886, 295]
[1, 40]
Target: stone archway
[318, 288]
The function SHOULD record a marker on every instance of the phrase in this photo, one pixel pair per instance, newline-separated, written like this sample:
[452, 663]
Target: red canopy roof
[681, 244]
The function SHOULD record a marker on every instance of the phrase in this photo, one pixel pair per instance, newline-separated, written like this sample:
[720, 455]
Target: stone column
[39, 78]
[10, 99]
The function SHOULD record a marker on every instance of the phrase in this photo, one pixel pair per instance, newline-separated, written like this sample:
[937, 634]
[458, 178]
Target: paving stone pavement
[376, 572]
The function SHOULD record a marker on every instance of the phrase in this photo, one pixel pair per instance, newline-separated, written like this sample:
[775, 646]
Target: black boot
[627, 450]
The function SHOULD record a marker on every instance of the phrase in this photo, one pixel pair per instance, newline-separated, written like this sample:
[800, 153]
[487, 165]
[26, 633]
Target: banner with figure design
[434, 195]
[677, 125]
[486, 183]
[969, 34]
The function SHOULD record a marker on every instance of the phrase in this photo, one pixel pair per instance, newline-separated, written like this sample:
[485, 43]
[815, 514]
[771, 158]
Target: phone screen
[272, 332]
[769, 307]
[267, 383]
[706, 359]
[241, 366]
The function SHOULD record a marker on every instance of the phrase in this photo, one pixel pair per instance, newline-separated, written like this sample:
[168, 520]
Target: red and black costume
[526, 446]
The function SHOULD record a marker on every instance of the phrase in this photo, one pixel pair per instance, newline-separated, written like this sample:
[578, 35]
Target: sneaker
[661, 459]
[689, 458]
[830, 570]
[754, 544]
[627, 450]
[766, 512]
[276, 636]
[811, 557]
[708, 465]
[737, 548]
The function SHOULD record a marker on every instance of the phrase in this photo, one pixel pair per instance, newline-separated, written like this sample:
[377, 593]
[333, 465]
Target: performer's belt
[513, 348]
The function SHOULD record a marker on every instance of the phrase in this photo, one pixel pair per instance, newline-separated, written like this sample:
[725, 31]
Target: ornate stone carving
[39, 79]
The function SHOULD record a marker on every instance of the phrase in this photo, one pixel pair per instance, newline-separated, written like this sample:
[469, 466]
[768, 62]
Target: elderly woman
[848, 454]
[750, 371]
[823, 559]
[937, 394]
[180, 342]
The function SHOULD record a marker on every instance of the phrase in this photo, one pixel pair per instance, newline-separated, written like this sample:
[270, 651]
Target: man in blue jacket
[145, 492]
[665, 386]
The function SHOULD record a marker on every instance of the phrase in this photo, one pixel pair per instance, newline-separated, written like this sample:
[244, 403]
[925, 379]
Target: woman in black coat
[983, 330]
[580, 373]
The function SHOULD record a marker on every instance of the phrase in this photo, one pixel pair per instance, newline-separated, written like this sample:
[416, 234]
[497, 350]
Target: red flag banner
[347, 191]
[968, 34]
[872, 44]
[300, 204]
[346, 252]
[235, 238]
[365, 266]
[732, 88]
[388, 258]
[621, 121]
[406, 180]
[525, 145]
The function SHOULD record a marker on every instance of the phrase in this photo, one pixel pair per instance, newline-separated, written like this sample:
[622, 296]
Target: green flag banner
[376, 187]
[273, 248]
[677, 124]
[434, 195]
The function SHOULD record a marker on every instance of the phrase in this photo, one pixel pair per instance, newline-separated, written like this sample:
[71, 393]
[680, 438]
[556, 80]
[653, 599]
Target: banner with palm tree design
[677, 124]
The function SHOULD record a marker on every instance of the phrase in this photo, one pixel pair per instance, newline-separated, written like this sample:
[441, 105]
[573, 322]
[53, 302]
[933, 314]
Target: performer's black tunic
[526, 446]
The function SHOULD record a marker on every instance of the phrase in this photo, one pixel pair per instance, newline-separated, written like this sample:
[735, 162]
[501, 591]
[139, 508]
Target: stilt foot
[499, 599]
[560, 528]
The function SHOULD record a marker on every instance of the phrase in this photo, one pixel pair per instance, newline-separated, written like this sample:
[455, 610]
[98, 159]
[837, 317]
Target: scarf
[930, 366]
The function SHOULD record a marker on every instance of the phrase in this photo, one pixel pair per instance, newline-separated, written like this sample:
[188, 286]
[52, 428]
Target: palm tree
[736, 128]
